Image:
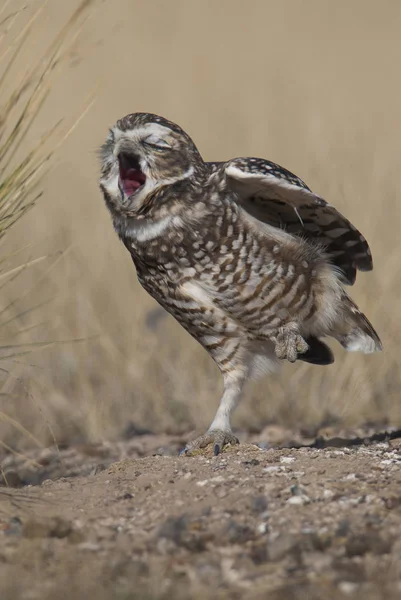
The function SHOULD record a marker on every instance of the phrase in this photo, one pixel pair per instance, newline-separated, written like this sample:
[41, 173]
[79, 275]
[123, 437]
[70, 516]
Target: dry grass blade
[12, 500]
[22, 170]
[17, 270]
[18, 179]
[19, 427]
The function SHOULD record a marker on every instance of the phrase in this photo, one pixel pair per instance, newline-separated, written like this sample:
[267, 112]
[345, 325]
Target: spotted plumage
[242, 253]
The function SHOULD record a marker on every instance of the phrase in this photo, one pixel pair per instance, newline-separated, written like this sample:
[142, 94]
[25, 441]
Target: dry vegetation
[312, 86]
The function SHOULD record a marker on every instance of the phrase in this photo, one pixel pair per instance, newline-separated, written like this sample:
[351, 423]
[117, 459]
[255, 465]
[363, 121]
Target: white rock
[262, 528]
[347, 587]
[298, 500]
[202, 482]
[272, 469]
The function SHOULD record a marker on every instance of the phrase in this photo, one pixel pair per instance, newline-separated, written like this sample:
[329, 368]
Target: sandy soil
[289, 523]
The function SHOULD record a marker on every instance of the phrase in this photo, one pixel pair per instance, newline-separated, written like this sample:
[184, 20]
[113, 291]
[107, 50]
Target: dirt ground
[318, 519]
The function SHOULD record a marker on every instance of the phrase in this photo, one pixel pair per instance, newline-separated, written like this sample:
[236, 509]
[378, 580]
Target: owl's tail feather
[317, 353]
[355, 333]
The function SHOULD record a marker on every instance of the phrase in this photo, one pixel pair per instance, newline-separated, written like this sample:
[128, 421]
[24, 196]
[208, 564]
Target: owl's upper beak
[131, 176]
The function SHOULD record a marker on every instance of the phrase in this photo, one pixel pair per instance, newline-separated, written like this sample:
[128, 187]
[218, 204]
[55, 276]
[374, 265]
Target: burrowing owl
[242, 253]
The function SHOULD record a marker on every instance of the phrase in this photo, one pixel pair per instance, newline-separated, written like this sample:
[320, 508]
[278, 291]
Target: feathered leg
[234, 372]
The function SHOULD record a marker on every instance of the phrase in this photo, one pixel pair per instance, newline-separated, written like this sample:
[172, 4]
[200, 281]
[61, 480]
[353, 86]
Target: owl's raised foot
[289, 344]
[217, 437]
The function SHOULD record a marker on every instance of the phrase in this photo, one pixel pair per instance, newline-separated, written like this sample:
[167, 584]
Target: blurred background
[314, 86]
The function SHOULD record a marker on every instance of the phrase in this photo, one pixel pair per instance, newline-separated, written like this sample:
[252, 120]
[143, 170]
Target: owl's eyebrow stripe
[158, 143]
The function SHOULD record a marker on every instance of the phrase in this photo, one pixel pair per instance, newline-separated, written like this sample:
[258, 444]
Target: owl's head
[144, 152]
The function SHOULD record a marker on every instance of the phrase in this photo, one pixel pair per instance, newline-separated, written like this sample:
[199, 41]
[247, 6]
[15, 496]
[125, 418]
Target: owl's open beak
[131, 176]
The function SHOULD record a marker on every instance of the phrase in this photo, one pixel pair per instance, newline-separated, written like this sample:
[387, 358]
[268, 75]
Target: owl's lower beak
[131, 177]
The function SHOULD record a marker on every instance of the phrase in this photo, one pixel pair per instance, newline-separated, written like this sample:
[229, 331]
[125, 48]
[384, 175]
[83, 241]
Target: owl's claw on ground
[289, 344]
[217, 437]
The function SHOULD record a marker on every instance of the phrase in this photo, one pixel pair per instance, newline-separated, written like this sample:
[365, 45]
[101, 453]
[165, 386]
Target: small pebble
[298, 500]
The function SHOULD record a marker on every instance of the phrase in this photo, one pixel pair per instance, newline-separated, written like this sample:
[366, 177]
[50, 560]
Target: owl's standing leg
[219, 433]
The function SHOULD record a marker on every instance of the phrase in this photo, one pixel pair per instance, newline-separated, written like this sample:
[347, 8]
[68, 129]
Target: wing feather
[276, 196]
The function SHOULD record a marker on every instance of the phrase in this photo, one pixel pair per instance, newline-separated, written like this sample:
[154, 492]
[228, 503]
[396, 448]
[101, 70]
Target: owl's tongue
[131, 180]
[131, 177]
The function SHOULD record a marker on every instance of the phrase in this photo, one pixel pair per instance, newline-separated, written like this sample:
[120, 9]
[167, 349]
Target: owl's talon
[217, 437]
[302, 346]
[289, 344]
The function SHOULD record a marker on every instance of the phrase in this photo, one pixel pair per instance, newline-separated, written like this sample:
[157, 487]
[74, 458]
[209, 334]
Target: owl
[241, 253]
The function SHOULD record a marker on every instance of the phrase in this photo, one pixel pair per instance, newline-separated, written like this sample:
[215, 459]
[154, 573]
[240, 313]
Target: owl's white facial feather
[145, 230]
[133, 160]
[139, 134]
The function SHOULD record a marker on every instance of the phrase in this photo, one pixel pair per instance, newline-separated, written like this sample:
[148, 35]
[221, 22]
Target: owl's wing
[276, 196]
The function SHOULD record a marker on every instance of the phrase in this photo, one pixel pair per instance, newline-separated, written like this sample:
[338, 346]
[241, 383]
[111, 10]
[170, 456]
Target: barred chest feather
[212, 261]
[171, 249]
